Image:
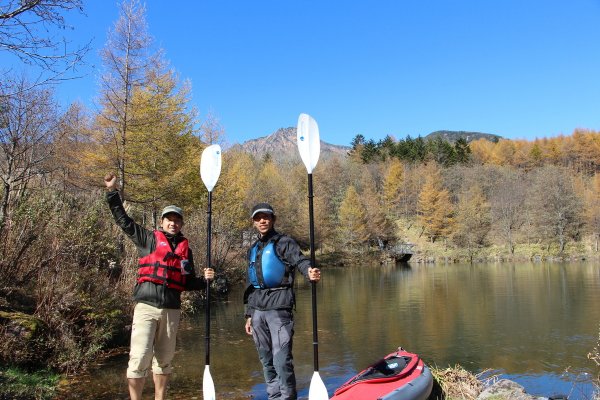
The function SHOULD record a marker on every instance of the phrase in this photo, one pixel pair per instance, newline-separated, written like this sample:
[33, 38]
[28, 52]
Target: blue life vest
[269, 272]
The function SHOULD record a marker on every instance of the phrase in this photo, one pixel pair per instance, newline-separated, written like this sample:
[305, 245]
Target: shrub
[57, 258]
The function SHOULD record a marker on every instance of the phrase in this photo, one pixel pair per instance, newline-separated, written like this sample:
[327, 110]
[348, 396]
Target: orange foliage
[580, 151]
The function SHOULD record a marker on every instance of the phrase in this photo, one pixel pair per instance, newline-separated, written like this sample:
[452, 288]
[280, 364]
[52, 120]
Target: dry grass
[458, 383]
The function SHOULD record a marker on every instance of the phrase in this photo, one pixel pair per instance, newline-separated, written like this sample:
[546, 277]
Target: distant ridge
[453, 136]
[281, 146]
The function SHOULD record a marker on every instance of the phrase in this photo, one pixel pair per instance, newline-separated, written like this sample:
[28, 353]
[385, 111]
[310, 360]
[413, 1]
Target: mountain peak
[453, 136]
[281, 146]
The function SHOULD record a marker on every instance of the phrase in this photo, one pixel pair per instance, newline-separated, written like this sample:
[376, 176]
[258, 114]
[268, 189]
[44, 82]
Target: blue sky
[522, 69]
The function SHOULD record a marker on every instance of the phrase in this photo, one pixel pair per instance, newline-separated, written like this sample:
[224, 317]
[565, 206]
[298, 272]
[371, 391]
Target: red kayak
[398, 376]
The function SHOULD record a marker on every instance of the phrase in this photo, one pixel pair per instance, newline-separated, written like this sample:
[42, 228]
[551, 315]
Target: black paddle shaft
[208, 265]
[313, 265]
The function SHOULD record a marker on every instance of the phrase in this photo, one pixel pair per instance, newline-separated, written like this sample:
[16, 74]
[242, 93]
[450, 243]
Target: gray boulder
[506, 389]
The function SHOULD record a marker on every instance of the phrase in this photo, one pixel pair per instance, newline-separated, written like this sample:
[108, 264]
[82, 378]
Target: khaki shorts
[153, 335]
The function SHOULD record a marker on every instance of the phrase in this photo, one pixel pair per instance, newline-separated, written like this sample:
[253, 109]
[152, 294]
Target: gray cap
[171, 209]
[262, 208]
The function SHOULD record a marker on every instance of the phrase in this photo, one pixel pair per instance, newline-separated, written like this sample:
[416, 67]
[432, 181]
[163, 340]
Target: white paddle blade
[210, 166]
[317, 389]
[208, 386]
[309, 143]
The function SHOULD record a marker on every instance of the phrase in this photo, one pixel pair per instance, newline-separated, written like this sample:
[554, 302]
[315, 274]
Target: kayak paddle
[210, 169]
[309, 146]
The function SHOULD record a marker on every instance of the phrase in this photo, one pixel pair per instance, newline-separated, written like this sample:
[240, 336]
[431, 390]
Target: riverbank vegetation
[456, 383]
[66, 272]
[23, 385]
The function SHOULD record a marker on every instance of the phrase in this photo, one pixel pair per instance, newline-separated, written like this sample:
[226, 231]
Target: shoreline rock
[509, 390]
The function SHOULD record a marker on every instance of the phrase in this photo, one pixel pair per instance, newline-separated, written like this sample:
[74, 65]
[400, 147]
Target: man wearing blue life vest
[165, 269]
[269, 300]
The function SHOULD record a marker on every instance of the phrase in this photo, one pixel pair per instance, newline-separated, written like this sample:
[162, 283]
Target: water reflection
[535, 323]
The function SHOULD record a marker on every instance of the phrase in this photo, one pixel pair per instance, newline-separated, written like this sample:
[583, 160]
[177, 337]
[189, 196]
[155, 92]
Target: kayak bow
[398, 376]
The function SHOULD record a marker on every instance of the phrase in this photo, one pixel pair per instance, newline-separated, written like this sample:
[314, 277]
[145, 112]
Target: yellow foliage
[235, 183]
[352, 229]
[435, 207]
[393, 183]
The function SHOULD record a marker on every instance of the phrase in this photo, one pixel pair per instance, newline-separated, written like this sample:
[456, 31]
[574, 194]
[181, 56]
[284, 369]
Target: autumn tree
[126, 57]
[272, 187]
[481, 151]
[74, 125]
[436, 212]
[536, 155]
[503, 152]
[236, 182]
[413, 182]
[230, 213]
[393, 188]
[330, 190]
[352, 229]
[162, 152]
[380, 227]
[586, 151]
[300, 229]
[473, 221]
[553, 150]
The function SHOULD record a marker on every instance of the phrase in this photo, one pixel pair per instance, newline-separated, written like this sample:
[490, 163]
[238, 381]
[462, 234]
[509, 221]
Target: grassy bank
[443, 250]
[19, 384]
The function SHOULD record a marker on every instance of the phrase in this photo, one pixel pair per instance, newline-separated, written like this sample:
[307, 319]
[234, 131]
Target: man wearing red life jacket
[166, 268]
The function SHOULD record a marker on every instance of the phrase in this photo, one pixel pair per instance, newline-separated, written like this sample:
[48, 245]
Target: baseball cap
[171, 209]
[262, 208]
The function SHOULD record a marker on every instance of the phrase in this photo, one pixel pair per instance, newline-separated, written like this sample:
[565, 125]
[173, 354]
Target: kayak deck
[398, 376]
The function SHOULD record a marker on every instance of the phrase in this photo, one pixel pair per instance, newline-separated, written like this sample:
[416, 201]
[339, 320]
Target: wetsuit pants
[272, 332]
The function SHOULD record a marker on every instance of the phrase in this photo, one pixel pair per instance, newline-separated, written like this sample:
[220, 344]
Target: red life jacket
[163, 266]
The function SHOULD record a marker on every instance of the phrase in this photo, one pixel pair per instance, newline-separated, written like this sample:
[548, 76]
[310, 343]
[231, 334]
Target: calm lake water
[532, 323]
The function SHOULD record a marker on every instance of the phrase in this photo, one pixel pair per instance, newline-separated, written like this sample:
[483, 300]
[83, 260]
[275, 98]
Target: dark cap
[171, 209]
[262, 208]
